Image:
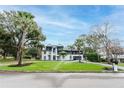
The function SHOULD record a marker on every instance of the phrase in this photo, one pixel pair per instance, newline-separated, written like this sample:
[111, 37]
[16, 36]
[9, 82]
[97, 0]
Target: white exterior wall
[56, 52]
[67, 57]
[52, 53]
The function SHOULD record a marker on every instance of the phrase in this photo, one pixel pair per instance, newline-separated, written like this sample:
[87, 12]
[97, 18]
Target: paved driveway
[62, 80]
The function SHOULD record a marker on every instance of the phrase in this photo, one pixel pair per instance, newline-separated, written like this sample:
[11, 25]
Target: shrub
[32, 52]
[27, 57]
[92, 57]
[0, 56]
[103, 60]
[122, 60]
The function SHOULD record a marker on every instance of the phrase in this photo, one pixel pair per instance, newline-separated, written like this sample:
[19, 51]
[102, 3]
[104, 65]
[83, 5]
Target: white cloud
[55, 23]
[116, 18]
[66, 21]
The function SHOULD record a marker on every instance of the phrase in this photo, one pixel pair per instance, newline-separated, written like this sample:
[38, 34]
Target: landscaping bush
[103, 60]
[122, 60]
[92, 57]
[0, 56]
[27, 57]
[31, 52]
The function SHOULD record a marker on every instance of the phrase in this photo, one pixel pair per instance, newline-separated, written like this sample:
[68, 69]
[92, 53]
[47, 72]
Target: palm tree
[71, 47]
[24, 28]
[63, 54]
[94, 42]
[79, 44]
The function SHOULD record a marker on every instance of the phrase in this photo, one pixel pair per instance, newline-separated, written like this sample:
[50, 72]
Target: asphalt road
[61, 80]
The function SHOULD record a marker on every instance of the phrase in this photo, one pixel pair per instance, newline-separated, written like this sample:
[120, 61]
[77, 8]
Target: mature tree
[71, 48]
[31, 52]
[94, 43]
[6, 43]
[23, 28]
[39, 47]
[80, 44]
[102, 32]
[116, 49]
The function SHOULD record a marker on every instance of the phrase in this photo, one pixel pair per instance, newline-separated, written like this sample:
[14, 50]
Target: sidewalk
[62, 80]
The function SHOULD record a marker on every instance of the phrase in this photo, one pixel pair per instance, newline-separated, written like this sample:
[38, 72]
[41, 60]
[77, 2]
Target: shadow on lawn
[107, 68]
[25, 64]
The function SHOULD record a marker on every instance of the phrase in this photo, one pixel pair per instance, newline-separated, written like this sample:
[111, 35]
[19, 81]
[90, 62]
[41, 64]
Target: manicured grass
[11, 60]
[6, 60]
[121, 64]
[54, 66]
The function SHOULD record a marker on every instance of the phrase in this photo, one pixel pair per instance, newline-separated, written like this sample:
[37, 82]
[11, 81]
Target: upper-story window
[54, 50]
[48, 48]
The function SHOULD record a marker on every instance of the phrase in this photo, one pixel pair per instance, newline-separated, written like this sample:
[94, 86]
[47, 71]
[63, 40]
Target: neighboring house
[51, 52]
[101, 52]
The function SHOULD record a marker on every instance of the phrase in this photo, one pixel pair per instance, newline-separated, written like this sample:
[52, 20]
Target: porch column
[52, 54]
[42, 55]
[47, 53]
[56, 53]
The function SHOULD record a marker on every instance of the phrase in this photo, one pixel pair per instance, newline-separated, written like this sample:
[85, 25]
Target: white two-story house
[51, 52]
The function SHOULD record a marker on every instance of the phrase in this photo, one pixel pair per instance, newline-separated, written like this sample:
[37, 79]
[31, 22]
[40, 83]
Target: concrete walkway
[119, 67]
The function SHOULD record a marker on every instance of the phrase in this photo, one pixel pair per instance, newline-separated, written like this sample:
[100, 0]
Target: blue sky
[63, 24]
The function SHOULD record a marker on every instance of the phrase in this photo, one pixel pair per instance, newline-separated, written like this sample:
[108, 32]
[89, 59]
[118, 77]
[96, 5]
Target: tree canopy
[23, 30]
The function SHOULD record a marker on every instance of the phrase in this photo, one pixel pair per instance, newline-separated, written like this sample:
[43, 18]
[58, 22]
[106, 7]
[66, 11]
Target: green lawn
[6, 60]
[121, 64]
[11, 60]
[54, 66]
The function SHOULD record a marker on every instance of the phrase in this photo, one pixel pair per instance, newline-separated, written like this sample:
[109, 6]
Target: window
[54, 50]
[48, 48]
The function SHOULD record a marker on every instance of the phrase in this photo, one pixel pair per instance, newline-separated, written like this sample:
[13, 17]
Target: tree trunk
[79, 57]
[108, 56]
[20, 48]
[98, 56]
[4, 55]
[20, 58]
[38, 53]
[17, 55]
[108, 60]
